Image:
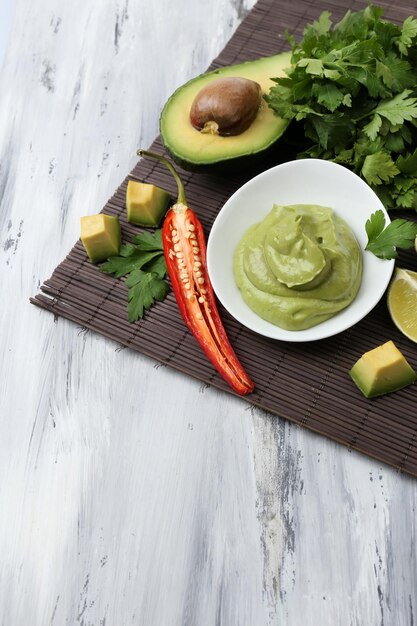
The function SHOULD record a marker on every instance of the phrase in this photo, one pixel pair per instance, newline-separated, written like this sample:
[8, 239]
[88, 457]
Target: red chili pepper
[185, 254]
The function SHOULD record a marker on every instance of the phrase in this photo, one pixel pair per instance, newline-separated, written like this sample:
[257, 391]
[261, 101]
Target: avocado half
[191, 148]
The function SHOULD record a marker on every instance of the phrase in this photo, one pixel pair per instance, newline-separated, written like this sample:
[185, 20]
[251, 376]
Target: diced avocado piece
[146, 204]
[382, 370]
[194, 149]
[100, 235]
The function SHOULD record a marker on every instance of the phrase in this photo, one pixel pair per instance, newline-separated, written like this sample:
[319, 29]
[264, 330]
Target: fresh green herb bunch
[353, 86]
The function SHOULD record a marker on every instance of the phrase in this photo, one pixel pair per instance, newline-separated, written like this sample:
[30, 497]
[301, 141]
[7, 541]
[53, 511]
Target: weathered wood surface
[128, 493]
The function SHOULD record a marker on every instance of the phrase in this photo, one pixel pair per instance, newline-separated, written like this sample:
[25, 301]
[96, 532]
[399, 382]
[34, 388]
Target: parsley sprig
[352, 89]
[144, 265]
[383, 241]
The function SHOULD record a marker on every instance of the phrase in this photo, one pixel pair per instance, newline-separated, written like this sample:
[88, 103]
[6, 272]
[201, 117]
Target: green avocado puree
[299, 266]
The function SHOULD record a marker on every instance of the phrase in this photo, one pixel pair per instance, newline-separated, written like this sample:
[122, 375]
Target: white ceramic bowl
[305, 181]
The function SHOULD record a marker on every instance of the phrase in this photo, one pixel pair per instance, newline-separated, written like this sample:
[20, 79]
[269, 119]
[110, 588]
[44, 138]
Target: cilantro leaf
[384, 241]
[144, 289]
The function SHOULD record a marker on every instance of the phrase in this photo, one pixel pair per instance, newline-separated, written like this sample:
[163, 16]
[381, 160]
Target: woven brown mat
[307, 384]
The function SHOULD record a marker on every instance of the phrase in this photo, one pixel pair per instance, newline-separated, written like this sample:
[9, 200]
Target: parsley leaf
[144, 265]
[384, 241]
[122, 265]
[312, 66]
[398, 109]
[372, 128]
[351, 94]
[323, 24]
[375, 225]
[407, 163]
[328, 95]
[378, 168]
[146, 247]
[408, 33]
[149, 241]
[144, 289]
[156, 266]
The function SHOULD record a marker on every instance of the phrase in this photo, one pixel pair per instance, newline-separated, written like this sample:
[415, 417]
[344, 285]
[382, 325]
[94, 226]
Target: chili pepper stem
[153, 155]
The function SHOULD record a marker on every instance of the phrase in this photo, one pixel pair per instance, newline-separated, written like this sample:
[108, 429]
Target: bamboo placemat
[307, 384]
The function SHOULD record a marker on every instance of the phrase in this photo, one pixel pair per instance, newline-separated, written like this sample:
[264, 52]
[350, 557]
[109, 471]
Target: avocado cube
[100, 235]
[146, 204]
[382, 370]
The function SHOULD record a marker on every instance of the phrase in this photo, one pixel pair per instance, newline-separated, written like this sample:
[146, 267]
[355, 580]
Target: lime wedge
[402, 302]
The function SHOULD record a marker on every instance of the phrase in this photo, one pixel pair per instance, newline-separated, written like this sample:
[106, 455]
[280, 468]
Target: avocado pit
[226, 106]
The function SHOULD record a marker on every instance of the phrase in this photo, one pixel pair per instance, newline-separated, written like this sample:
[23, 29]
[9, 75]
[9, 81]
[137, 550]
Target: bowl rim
[324, 329]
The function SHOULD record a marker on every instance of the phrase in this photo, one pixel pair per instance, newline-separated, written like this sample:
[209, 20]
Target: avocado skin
[249, 156]
[251, 163]
[285, 148]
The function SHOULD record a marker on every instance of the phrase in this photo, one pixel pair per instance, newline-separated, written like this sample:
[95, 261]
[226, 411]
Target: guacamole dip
[299, 266]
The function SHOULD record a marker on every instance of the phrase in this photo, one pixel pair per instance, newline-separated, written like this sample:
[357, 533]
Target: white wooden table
[128, 494]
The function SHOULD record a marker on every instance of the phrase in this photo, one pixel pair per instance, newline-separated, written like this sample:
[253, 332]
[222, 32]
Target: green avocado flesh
[190, 147]
[146, 204]
[100, 236]
[382, 370]
[299, 266]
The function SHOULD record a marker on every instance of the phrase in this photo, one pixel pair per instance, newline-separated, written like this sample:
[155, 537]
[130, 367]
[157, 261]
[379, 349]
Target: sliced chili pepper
[185, 254]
